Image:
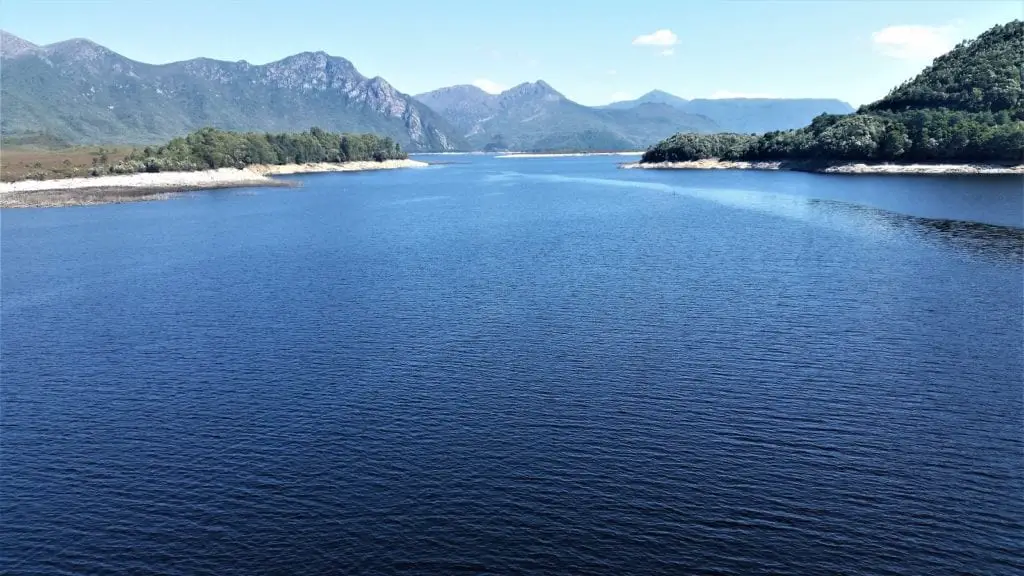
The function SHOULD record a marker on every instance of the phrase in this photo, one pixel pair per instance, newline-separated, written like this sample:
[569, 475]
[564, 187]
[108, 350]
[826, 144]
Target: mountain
[463, 106]
[757, 115]
[652, 97]
[535, 116]
[968, 106]
[81, 92]
[11, 45]
[746, 115]
[657, 118]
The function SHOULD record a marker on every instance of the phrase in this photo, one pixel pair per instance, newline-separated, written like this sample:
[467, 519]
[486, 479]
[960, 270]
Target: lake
[495, 366]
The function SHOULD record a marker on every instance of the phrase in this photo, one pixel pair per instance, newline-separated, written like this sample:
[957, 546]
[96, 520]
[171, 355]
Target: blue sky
[853, 50]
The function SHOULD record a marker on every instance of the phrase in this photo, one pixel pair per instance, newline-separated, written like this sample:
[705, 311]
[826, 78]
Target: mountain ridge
[492, 120]
[746, 115]
[535, 116]
[654, 96]
[80, 91]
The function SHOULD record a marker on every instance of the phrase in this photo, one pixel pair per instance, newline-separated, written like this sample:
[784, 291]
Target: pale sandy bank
[709, 164]
[313, 167]
[566, 155]
[922, 169]
[160, 185]
[712, 164]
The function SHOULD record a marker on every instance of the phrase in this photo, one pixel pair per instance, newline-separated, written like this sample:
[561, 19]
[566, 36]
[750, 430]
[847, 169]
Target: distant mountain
[758, 115]
[746, 115]
[465, 107]
[535, 116]
[652, 97]
[81, 92]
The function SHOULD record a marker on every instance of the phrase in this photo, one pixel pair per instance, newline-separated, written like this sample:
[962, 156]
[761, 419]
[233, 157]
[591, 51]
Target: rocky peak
[312, 71]
[12, 46]
[316, 59]
[461, 90]
[215, 70]
[460, 97]
[380, 96]
[380, 84]
[532, 90]
[78, 50]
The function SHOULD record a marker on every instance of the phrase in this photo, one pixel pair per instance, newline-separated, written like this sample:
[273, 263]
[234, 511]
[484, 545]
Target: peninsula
[206, 159]
[963, 114]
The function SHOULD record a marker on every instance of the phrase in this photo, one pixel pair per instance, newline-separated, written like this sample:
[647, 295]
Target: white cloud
[612, 72]
[915, 42]
[730, 94]
[664, 37]
[668, 52]
[489, 86]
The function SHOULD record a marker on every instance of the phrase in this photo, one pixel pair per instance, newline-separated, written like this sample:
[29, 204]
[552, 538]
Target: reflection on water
[1001, 243]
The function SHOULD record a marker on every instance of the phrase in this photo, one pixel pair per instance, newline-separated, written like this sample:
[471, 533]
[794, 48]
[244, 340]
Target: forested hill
[980, 75]
[966, 107]
[210, 148]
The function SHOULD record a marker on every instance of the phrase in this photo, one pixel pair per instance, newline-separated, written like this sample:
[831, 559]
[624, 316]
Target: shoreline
[853, 168]
[320, 167]
[564, 154]
[145, 186]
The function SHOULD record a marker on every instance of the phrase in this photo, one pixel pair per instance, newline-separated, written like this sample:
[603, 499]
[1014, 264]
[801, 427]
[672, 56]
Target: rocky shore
[161, 185]
[714, 164]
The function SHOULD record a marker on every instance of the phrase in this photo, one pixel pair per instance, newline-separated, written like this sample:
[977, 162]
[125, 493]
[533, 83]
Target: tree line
[917, 136]
[210, 148]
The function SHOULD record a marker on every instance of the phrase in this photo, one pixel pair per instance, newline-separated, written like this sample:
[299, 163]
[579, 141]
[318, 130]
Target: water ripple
[566, 378]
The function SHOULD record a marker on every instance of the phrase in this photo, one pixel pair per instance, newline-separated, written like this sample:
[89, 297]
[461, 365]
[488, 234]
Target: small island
[205, 159]
[963, 114]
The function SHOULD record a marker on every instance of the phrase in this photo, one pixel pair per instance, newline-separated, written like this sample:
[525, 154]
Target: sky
[593, 52]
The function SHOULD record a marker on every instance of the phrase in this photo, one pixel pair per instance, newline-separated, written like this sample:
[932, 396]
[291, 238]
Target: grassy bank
[20, 162]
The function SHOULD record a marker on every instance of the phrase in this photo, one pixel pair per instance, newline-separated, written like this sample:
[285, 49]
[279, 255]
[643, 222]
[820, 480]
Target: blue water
[510, 366]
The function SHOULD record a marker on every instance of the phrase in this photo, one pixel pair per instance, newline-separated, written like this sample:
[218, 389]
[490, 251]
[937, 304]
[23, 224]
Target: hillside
[980, 75]
[535, 116]
[745, 115]
[966, 107]
[81, 92]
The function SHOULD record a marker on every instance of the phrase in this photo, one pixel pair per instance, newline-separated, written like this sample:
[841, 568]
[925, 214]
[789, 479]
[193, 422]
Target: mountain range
[80, 92]
[534, 116]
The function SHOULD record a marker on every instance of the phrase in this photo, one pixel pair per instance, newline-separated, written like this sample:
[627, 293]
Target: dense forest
[211, 148]
[966, 107]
